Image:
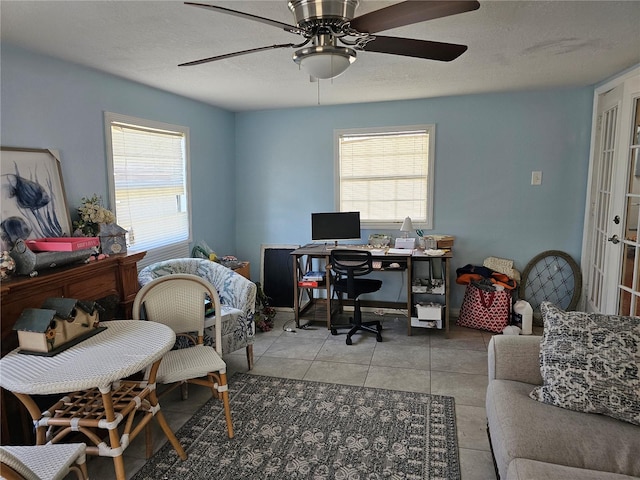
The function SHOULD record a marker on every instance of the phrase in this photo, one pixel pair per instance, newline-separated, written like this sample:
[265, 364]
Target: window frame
[430, 130]
[180, 248]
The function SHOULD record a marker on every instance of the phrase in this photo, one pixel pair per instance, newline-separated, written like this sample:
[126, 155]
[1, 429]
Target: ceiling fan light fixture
[325, 61]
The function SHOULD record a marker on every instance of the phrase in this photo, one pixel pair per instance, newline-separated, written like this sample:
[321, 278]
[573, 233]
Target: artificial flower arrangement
[92, 214]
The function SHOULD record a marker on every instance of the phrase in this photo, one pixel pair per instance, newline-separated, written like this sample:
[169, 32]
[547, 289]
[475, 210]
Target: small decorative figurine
[7, 265]
[59, 324]
[112, 238]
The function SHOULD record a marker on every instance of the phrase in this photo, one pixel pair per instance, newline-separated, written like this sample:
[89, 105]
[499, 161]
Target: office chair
[347, 265]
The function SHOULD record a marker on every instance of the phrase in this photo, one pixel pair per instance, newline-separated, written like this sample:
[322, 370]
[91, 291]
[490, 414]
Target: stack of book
[312, 279]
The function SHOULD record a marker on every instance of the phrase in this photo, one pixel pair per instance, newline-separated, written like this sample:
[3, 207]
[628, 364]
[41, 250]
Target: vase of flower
[91, 214]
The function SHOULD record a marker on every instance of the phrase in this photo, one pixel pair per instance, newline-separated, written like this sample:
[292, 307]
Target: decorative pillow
[590, 363]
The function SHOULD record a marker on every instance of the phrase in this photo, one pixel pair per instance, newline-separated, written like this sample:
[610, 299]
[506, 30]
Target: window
[386, 175]
[149, 185]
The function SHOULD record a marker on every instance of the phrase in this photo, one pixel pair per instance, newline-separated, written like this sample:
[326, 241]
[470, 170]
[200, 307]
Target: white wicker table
[93, 370]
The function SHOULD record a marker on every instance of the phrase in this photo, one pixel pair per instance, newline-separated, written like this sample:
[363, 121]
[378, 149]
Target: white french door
[599, 209]
[611, 253]
[629, 284]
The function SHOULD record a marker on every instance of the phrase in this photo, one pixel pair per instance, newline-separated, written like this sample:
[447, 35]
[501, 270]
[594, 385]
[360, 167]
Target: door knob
[615, 240]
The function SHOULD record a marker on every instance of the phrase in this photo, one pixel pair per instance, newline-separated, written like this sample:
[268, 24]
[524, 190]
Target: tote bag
[485, 309]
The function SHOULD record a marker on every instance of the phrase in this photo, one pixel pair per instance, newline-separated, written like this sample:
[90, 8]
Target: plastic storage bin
[429, 315]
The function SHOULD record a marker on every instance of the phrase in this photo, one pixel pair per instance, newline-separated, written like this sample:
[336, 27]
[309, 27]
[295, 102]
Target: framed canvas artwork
[32, 193]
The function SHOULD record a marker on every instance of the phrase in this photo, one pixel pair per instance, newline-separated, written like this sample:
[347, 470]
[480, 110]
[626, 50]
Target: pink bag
[485, 310]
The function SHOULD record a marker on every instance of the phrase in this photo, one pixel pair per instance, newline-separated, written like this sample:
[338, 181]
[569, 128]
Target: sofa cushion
[229, 316]
[521, 427]
[590, 363]
[524, 469]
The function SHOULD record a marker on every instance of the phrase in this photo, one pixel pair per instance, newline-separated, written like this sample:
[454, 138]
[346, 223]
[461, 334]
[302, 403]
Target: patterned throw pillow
[590, 363]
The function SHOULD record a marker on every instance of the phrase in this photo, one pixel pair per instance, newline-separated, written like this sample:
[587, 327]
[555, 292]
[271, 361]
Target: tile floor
[424, 362]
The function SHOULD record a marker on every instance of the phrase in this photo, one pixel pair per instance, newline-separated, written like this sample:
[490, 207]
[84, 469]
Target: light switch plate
[536, 177]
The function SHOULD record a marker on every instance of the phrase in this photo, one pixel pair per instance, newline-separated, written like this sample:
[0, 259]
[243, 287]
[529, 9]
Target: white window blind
[150, 191]
[386, 175]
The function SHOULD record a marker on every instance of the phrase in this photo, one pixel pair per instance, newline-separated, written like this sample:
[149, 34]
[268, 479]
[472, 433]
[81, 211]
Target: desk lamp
[404, 242]
[407, 226]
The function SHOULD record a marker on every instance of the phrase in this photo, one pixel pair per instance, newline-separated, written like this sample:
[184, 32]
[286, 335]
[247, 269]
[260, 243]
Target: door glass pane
[629, 268]
[630, 277]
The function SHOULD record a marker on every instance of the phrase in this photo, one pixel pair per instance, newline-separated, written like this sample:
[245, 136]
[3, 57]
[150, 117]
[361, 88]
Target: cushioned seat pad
[194, 362]
[229, 319]
[521, 427]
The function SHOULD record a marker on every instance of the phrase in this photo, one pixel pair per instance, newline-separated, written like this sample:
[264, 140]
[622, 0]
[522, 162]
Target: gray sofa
[533, 440]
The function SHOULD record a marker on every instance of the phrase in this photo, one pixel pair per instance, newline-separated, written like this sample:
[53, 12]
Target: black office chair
[347, 265]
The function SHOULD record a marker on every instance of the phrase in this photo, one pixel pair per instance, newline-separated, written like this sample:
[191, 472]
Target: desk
[303, 257]
[93, 370]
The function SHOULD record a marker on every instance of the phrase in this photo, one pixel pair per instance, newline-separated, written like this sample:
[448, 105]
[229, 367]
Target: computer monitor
[334, 226]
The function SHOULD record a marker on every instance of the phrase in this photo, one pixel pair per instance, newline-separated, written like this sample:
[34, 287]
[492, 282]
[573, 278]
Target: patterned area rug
[298, 429]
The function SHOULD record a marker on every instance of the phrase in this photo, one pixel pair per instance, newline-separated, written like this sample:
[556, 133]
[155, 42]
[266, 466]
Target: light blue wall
[486, 148]
[47, 103]
[257, 176]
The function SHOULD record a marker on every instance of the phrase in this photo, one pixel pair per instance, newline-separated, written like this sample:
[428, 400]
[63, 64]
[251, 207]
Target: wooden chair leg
[223, 389]
[159, 416]
[81, 471]
[214, 384]
[250, 356]
[148, 438]
[184, 391]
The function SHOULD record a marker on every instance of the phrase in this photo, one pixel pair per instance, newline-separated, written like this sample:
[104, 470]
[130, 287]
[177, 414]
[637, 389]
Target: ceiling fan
[324, 23]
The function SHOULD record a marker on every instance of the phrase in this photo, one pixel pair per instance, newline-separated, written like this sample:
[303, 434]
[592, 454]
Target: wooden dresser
[115, 277]
[244, 269]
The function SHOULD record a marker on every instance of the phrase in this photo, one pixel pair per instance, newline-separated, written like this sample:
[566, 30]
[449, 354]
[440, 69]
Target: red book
[309, 283]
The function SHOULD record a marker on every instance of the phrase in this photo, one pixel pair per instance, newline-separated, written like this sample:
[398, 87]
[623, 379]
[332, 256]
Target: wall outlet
[536, 178]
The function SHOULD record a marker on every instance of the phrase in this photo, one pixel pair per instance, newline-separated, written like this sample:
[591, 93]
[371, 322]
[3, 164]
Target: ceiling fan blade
[268, 21]
[235, 54]
[410, 12]
[409, 47]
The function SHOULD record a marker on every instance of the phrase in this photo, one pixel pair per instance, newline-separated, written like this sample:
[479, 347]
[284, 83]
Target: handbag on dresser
[484, 307]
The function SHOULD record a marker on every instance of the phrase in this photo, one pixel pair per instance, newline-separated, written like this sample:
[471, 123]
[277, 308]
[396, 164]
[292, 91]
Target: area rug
[296, 429]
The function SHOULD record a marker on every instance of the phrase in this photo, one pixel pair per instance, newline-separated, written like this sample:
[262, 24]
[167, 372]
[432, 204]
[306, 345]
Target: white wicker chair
[43, 462]
[178, 301]
[237, 295]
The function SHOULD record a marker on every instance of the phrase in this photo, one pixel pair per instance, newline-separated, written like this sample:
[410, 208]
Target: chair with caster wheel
[347, 265]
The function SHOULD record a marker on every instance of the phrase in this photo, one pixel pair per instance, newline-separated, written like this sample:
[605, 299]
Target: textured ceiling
[513, 45]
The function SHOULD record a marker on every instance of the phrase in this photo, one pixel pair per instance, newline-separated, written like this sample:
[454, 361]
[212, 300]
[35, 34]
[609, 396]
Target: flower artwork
[92, 214]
